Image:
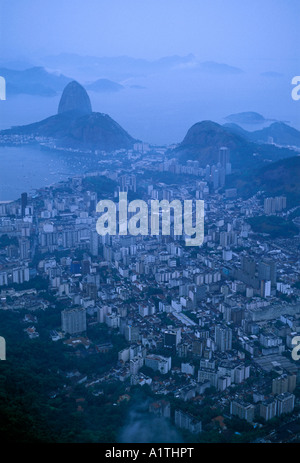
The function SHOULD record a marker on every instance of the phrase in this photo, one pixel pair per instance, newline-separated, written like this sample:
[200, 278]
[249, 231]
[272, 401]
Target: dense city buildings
[208, 329]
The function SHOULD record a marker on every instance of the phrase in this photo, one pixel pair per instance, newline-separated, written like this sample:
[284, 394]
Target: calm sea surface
[25, 169]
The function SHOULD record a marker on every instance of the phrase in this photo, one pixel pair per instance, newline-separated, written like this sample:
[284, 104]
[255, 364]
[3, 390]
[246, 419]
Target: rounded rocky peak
[75, 98]
[201, 130]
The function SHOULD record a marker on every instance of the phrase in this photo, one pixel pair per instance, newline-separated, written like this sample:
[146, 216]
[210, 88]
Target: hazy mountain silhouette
[38, 81]
[237, 130]
[248, 117]
[281, 133]
[77, 126]
[120, 67]
[204, 139]
[218, 68]
[104, 85]
[278, 133]
[33, 81]
[75, 98]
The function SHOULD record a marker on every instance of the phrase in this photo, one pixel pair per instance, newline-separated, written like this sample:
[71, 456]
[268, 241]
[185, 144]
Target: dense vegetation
[100, 184]
[39, 403]
[276, 227]
[275, 179]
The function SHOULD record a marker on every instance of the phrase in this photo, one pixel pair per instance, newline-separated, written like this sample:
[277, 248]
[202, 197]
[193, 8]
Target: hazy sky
[255, 35]
[231, 31]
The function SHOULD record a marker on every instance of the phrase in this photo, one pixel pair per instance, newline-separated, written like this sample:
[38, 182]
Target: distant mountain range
[77, 126]
[248, 117]
[120, 67]
[104, 85]
[278, 133]
[33, 81]
[204, 139]
[39, 82]
[218, 68]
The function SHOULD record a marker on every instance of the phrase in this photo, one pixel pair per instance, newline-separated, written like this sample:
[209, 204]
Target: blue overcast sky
[231, 31]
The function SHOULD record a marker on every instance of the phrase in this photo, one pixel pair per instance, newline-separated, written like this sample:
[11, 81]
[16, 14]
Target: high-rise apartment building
[73, 321]
[223, 338]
